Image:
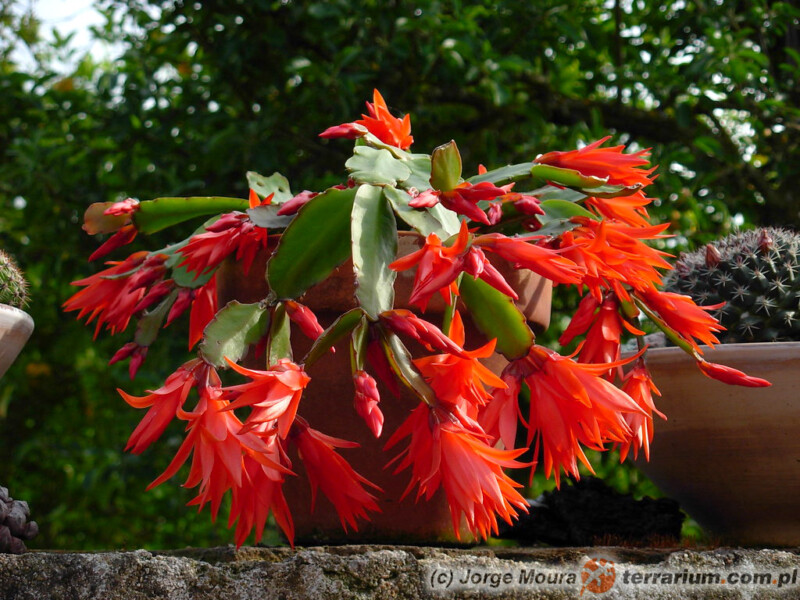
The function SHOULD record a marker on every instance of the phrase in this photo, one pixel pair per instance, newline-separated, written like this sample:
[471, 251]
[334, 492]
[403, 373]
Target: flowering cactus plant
[575, 217]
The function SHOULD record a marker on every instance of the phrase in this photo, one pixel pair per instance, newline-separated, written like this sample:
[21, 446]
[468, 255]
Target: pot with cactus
[731, 455]
[436, 409]
[16, 325]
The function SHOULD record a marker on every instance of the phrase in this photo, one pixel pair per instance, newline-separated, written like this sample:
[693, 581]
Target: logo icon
[597, 576]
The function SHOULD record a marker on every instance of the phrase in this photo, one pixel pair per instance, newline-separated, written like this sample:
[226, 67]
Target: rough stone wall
[367, 572]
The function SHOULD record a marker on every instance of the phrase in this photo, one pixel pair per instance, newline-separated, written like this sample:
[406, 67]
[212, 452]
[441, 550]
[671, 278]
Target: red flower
[164, 404]
[682, 315]
[380, 123]
[261, 492]
[135, 352]
[439, 266]
[125, 235]
[639, 386]
[232, 234]
[611, 163]
[112, 296]
[124, 207]
[730, 375]
[462, 199]
[572, 406]
[331, 473]
[366, 401]
[204, 309]
[448, 450]
[216, 448]
[274, 395]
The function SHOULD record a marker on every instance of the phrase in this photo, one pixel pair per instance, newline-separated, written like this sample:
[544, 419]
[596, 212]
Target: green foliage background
[203, 91]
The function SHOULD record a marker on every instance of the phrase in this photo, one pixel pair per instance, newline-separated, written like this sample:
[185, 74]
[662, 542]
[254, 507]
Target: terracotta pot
[729, 454]
[328, 406]
[16, 327]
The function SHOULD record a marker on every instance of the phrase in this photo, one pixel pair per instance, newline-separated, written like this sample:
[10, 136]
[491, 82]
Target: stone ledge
[366, 572]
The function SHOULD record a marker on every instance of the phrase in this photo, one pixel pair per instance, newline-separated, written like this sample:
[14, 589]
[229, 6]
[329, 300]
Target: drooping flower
[572, 406]
[523, 254]
[367, 399]
[133, 351]
[639, 385]
[730, 375]
[462, 199]
[612, 163]
[204, 308]
[124, 236]
[438, 266]
[233, 234]
[379, 122]
[261, 491]
[328, 471]
[164, 404]
[450, 451]
[216, 446]
[403, 321]
[112, 295]
[274, 395]
[604, 325]
[687, 319]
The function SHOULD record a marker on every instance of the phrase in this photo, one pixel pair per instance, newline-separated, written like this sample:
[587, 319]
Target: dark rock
[589, 513]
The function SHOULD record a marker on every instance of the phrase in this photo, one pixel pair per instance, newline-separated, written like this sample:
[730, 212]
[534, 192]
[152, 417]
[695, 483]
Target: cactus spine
[13, 286]
[756, 274]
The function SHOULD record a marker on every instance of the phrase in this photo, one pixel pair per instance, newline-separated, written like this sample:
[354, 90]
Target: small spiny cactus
[13, 286]
[756, 274]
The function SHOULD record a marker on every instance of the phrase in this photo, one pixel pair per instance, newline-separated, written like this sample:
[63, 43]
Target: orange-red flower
[613, 254]
[328, 471]
[460, 380]
[639, 386]
[438, 266]
[523, 254]
[682, 315]
[572, 406]
[448, 450]
[379, 122]
[611, 163]
[604, 325]
[626, 209]
[274, 395]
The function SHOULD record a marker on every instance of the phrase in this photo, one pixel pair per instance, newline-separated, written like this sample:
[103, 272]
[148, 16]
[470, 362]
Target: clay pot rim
[755, 352]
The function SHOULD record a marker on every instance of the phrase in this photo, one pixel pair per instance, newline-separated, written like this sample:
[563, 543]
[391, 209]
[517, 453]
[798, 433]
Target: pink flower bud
[366, 401]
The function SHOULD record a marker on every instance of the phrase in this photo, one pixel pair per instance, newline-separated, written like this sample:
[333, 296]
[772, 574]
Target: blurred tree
[205, 90]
